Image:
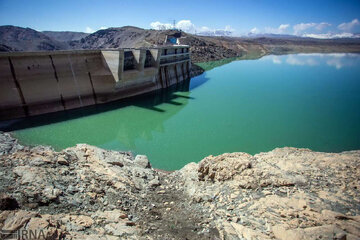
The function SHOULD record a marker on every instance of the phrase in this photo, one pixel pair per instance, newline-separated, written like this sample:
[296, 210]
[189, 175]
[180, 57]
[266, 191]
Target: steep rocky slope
[88, 193]
[65, 36]
[203, 48]
[27, 39]
[124, 37]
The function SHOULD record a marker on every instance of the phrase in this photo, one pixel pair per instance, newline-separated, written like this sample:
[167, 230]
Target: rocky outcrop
[287, 193]
[89, 193]
[85, 192]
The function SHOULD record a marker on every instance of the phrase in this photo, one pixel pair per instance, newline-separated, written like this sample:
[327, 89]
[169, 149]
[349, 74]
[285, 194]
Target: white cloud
[342, 60]
[89, 30]
[335, 62]
[254, 30]
[160, 26]
[294, 60]
[276, 60]
[349, 25]
[331, 35]
[184, 25]
[204, 29]
[322, 26]
[301, 27]
[298, 28]
[281, 29]
[188, 26]
[229, 28]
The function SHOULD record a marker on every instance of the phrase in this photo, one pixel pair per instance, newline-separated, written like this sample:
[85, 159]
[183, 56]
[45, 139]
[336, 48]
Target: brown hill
[65, 36]
[203, 48]
[124, 37]
[27, 39]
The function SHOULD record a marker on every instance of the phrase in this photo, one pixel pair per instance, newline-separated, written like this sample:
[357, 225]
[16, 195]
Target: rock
[243, 232]
[223, 167]
[319, 232]
[154, 183]
[77, 222]
[29, 174]
[110, 216]
[119, 164]
[15, 220]
[7, 144]
[44, 227]
[340, 236]
[37, 161]
[120, 229]
[72, 189]
[62, 161]
[287, 193]
[51, 194]
[83, 221]
[38, 223]
[142, 161]
[130, 223]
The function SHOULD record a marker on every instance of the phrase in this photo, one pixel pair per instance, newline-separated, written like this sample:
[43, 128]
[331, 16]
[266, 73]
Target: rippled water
[304, 100]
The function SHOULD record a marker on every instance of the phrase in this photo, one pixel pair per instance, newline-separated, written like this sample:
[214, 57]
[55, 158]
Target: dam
[34, 83]
[248, 106]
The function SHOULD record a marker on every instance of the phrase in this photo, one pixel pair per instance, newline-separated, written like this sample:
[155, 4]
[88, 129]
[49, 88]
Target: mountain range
[203, 48]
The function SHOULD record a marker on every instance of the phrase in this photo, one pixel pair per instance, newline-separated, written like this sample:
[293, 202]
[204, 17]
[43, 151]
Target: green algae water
[305, 100]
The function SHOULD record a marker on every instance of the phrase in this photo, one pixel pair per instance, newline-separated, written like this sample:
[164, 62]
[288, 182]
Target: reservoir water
[304, 100]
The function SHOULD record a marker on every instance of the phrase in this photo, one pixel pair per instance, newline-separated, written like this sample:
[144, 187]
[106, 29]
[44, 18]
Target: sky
[315, 18]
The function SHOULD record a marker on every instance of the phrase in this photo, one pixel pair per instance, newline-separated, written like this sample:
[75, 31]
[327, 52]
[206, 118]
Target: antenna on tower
[172, 23]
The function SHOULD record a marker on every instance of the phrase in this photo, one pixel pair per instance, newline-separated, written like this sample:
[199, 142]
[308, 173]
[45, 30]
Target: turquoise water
[305, 100]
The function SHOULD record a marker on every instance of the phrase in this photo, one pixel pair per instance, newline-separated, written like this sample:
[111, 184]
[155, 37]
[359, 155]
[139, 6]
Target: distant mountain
[215, 33]
[203, 48]
[65, 36]
[27, 39]
[272, 35]
[328, 36]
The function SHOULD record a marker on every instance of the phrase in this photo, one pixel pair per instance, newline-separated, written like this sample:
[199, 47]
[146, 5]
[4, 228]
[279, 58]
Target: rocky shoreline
[85, 192]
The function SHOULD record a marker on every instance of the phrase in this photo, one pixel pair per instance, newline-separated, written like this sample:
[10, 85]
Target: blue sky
[240, 16]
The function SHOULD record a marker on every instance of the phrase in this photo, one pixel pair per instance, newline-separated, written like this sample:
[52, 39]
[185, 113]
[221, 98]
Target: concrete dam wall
[42, 82]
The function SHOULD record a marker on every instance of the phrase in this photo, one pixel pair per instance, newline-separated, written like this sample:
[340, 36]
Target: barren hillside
[27, 39]
[203, 48]
[65, 36]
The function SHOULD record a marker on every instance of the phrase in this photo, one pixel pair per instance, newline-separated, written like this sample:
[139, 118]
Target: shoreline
[88, 192]
[222, 61]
